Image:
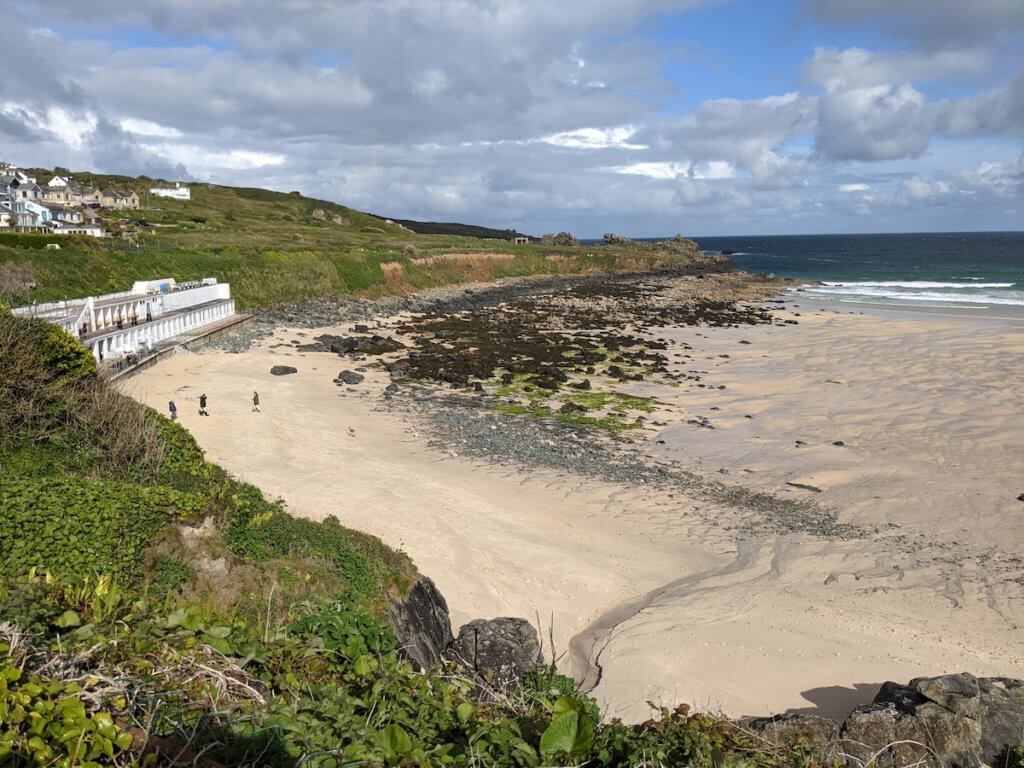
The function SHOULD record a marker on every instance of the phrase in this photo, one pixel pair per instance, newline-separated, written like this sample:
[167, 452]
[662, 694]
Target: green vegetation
[596, 401]
[611, 424]
[275, 247]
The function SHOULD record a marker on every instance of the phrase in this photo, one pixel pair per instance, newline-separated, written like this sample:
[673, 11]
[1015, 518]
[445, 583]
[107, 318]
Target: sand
[670, 595]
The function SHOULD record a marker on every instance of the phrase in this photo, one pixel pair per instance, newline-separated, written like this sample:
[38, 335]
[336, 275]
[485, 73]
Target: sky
[643, 117]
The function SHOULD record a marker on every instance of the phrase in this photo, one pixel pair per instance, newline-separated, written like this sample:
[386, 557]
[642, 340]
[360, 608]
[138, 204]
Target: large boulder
[498, 652]
[421, 624]
[1002, 716]
[935, 721]
[283, 370]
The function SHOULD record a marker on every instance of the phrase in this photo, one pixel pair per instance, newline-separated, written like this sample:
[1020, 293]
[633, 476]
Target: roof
[112, 192]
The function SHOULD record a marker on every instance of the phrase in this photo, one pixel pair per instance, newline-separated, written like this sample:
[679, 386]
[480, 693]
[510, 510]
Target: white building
[153, 313]
[177, 192]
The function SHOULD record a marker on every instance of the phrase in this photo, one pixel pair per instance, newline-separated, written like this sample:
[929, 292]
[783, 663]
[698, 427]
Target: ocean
[974, 271]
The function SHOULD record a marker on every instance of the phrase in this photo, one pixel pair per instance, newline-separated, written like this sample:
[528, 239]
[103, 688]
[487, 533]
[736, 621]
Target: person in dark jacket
[255, 402]
[173, 410]
[202, 405]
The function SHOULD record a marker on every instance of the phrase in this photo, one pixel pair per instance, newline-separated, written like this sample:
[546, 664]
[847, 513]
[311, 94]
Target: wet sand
[669, 599]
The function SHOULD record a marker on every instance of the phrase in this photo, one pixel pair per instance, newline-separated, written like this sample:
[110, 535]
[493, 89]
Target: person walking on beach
[202, 405]
[255, 402]
[173, 409]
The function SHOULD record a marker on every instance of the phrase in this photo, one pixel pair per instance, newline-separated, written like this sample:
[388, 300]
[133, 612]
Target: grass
[273, 250]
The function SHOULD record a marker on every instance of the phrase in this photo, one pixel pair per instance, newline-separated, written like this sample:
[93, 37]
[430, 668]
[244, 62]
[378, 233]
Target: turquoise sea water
[971, 270]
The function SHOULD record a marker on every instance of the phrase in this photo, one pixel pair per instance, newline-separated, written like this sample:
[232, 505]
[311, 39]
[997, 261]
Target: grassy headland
[276, 247]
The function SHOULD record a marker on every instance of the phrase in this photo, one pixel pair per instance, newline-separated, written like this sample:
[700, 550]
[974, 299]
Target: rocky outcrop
[335, 218]
[498, 652]
[1001, 714]
[421, 624]
[283, 370]
[562, 238]
[613, 239]
[951, 721]
[348, 345]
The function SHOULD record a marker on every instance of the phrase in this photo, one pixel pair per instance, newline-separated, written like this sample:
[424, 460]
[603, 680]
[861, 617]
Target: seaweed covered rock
[499, 652]
[363, 345]
[283, 370]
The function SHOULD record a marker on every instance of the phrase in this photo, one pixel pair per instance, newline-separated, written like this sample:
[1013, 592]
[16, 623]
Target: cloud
[860, 68]
[148, 128]
[521, 113]
[877, 123]
[595, 138]
[933, 22]
[997, 112]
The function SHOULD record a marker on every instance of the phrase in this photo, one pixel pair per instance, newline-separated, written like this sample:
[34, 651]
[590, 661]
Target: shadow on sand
[836, 701]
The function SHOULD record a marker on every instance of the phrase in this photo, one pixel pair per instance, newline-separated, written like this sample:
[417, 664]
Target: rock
[867, 731]
[933, 721]
[398, 369]
[1002, 716]
[562, 238]
[391, 388]
[364, 345]
[571, 408]
[1021, 497]
[350, 377]
[421, 623]
[612, 239]
[359, 328]
[283, 370]
[797, 729]
[500, 652]
[959, 693]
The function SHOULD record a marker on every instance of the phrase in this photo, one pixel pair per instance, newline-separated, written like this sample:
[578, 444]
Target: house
[59, 181]
[63, 214]
[119, 199]
[6, 218]
[520, 240]
[56, 195]
[21, 187]
[23, 218]
[89, 197]
[177, 192]
[89, 227]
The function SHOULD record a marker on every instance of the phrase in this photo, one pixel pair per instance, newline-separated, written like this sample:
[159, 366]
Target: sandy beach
[673, 597]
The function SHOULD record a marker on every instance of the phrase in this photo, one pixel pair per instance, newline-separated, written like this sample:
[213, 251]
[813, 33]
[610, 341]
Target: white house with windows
[153, 314]
[177, 192]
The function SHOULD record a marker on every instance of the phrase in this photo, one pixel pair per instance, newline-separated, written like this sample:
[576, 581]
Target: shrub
[73, 526]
